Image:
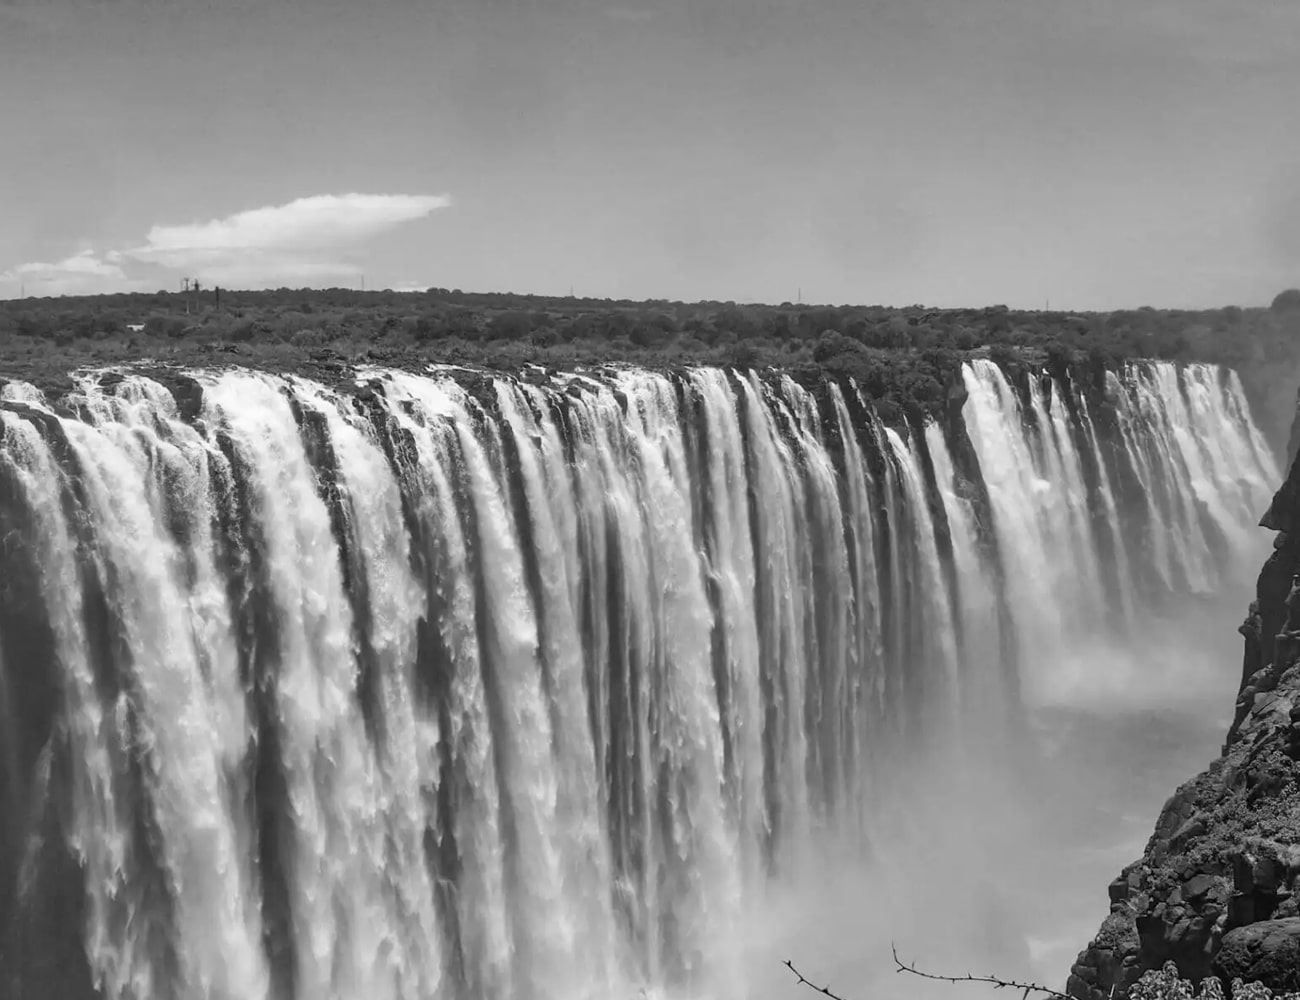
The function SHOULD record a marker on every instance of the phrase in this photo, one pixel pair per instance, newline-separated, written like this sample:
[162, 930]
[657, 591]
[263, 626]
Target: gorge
[574, 684]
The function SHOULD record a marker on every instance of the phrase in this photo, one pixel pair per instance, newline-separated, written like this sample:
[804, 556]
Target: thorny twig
[826, 990]
[901, 966]
[994, 981]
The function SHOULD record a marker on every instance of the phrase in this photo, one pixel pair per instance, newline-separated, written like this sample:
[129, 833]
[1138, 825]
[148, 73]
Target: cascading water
[451, 685]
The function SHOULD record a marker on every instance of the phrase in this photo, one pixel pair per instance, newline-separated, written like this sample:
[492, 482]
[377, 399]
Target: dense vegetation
[1168, 985]
[903, 356]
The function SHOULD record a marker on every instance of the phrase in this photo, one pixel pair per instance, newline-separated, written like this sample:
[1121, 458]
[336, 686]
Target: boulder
[1267, 952]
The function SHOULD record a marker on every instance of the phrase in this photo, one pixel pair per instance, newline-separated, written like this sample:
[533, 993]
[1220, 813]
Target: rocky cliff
[1217, 891]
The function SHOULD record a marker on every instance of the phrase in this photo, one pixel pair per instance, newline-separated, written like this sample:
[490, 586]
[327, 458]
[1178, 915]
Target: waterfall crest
[461, 685]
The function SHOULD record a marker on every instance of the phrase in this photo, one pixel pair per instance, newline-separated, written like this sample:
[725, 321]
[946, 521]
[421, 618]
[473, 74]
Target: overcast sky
[1097, 153]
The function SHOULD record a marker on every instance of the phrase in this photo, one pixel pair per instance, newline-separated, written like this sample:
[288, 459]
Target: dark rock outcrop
[1267, 952]
[1217, 891]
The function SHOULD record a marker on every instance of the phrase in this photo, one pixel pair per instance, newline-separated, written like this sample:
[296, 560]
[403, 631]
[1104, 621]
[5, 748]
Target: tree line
[903, 356]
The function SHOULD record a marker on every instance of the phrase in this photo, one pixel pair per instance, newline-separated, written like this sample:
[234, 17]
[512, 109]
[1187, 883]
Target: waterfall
[471, 685]
[979, 615]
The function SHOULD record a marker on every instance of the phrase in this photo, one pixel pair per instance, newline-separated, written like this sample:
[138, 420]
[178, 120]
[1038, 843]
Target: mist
[995, 859]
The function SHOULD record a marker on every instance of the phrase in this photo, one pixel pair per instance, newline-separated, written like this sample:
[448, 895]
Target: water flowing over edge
[486, 686]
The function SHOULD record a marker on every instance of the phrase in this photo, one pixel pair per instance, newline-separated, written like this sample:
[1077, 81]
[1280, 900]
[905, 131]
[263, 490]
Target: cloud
[301, 242]
[83, 263]
[83, 273]
[310, 226]
[305, 241]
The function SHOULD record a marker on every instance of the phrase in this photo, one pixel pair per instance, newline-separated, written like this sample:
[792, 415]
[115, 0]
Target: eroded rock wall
[1217, 890]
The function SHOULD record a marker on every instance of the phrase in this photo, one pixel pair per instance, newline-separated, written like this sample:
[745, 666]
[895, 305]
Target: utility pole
[185, 289]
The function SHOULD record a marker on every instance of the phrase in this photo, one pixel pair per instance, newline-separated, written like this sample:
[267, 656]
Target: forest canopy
[901, 356]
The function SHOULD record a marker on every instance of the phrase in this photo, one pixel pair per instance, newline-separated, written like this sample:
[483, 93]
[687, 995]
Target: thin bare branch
[996, 982]
[824, 990]
[1026, 989]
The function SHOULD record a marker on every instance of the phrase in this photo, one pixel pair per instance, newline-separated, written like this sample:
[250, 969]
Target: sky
[1087, 154]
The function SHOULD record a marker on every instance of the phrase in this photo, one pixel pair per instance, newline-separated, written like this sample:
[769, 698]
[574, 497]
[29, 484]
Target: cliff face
[1217, 890]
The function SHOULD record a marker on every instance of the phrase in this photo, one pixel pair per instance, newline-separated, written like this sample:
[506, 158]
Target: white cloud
[306, 225]
[83, 263]
[302, 242]
[306, 241]
[83, 273]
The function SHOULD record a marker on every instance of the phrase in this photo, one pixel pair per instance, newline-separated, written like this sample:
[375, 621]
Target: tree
[1287, 301]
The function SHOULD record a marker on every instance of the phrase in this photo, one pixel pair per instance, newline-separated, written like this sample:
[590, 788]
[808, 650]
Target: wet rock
[188, 394]
[955, 397]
